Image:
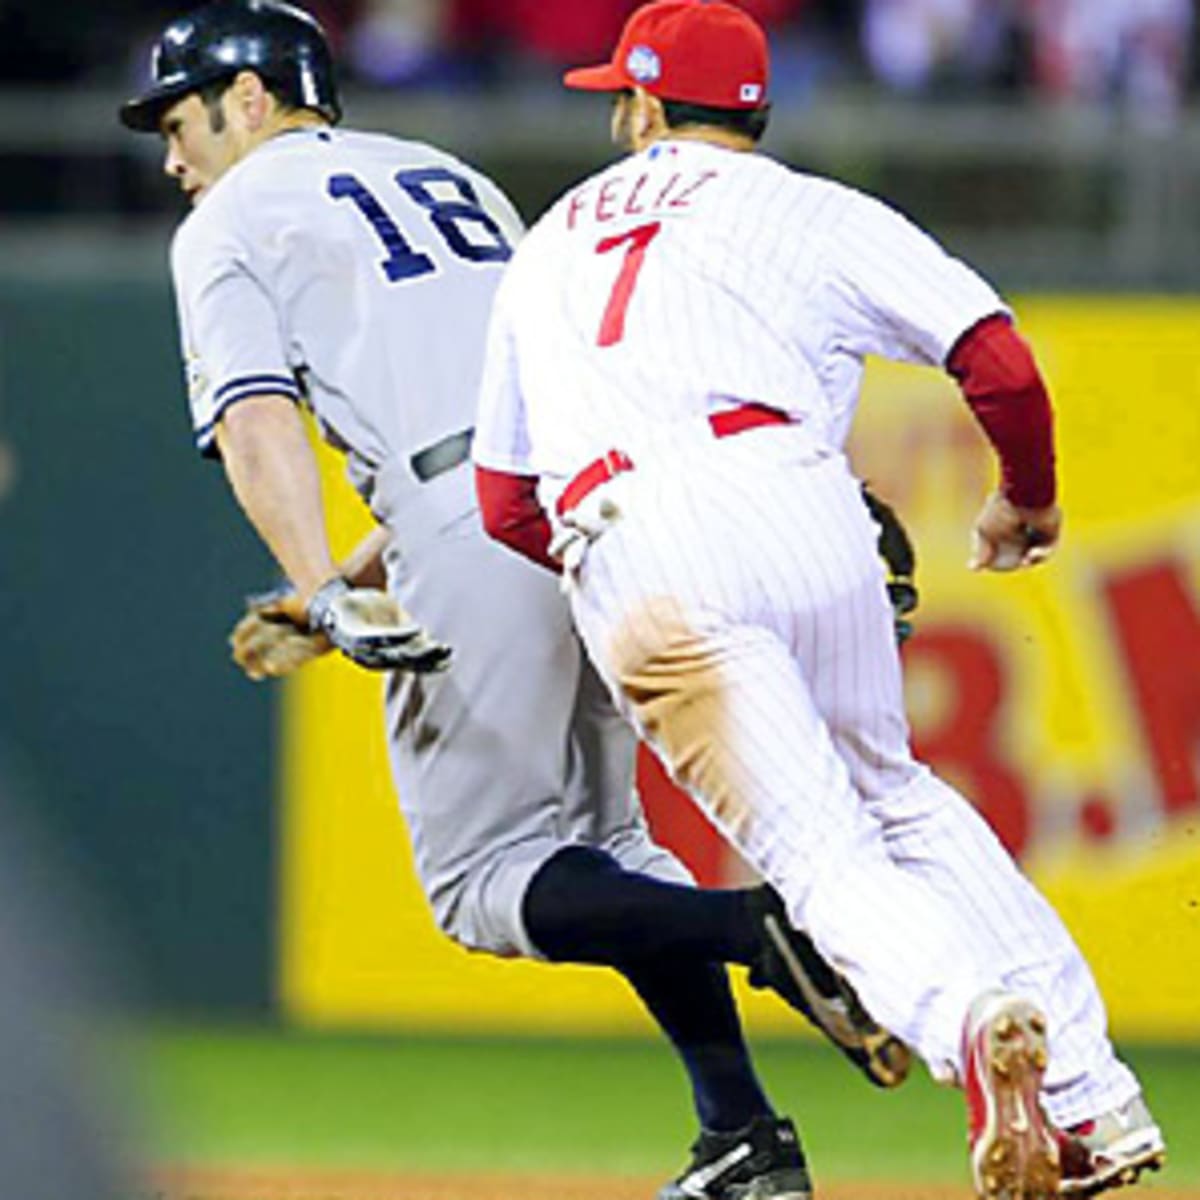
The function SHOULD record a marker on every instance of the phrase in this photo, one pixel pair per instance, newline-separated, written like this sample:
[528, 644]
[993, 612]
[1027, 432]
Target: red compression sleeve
[1003, 387]
[512, 515]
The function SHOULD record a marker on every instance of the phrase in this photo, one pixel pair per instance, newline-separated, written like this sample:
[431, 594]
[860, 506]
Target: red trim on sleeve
[512, 515]
[1001, 383]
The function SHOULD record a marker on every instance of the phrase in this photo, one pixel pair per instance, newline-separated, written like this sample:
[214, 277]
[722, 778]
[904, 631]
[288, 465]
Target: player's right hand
[371, 629]
[1007, 538]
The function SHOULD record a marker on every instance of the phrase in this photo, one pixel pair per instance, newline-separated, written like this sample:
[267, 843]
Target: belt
[615, 462]
[442, 456]
[599, 471]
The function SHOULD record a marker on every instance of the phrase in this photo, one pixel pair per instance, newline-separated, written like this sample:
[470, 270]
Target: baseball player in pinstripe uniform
[673, 365]
[354, 273]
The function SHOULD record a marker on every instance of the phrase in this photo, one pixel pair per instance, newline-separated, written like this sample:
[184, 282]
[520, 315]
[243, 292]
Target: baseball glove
[896, 550]
[266, 644]
[269, 648]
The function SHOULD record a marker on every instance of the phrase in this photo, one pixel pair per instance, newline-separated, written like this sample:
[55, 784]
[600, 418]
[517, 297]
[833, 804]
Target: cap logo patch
[750, 93]
[643, 64]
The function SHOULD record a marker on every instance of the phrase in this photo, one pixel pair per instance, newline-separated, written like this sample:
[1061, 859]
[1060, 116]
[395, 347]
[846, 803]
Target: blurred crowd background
[1136, 54]
[1053, 142]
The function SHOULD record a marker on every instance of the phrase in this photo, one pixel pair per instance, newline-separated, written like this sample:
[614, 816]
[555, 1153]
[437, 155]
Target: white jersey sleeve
[232, 343]
[895, 292]
[502, 441]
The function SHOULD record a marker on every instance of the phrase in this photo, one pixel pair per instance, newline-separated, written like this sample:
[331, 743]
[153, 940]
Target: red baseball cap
[695, 51]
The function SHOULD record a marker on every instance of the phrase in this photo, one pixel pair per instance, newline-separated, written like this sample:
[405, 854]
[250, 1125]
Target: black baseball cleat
[791, 966]
[763, 1161]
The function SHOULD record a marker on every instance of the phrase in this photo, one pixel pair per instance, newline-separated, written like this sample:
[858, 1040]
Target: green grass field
[222, 1096]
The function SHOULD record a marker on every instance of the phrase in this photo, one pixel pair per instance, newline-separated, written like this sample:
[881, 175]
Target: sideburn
[211, 96]
[621, 124]
[216, 113]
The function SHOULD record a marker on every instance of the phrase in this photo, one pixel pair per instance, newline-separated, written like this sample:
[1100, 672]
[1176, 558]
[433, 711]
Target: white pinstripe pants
[737, 609]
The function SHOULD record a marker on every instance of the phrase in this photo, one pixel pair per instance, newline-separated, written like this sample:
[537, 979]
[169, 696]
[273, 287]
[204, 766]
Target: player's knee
[637, 851]
[559, 895]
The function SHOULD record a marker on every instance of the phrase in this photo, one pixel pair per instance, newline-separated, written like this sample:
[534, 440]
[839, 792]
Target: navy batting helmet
[278, 41]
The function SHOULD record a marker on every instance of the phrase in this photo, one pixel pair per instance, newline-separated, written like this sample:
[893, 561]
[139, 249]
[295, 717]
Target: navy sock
[583, 906]
[692, 1003]
[670, 941]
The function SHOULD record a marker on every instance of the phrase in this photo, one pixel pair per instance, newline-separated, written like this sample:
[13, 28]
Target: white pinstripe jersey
[688, 278]
[355, 269]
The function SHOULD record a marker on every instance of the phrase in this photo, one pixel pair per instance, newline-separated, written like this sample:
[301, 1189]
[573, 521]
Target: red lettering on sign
[1097, 817]
[964, 743]
[1158, 629]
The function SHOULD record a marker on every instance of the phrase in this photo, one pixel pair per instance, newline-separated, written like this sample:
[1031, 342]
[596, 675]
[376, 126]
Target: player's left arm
[273, 470]
[899, 295]
[244, 395]
[274, 475]
[1020, 523]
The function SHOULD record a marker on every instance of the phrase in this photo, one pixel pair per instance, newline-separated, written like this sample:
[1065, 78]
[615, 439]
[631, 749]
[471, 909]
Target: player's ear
[251, 99]
[649, 121]
[658, 114]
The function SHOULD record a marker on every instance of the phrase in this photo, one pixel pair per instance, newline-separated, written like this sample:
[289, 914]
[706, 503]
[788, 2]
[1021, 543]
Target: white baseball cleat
[1014, 1149]
[1110, 1150]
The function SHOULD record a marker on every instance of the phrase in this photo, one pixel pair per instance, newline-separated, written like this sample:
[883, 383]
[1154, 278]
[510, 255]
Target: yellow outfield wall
[1066, 701]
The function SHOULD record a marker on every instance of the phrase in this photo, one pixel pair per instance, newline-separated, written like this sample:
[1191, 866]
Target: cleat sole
[1018, 1157]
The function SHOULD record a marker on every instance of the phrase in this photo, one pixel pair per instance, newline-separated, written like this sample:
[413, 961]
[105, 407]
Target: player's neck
[288, 121]
[710, 135]
[297, 118]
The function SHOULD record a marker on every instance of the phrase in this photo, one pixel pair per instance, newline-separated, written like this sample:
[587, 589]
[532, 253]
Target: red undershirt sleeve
[512, 515]
[1001, 383]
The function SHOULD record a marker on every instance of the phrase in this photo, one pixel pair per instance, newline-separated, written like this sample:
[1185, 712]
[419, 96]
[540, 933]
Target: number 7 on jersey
[612, 324]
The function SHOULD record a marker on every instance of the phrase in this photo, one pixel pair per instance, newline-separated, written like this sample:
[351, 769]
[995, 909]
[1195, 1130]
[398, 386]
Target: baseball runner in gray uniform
[354, 273]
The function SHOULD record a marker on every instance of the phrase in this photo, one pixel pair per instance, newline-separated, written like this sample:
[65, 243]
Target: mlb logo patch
[643, 64]
[750, 93]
